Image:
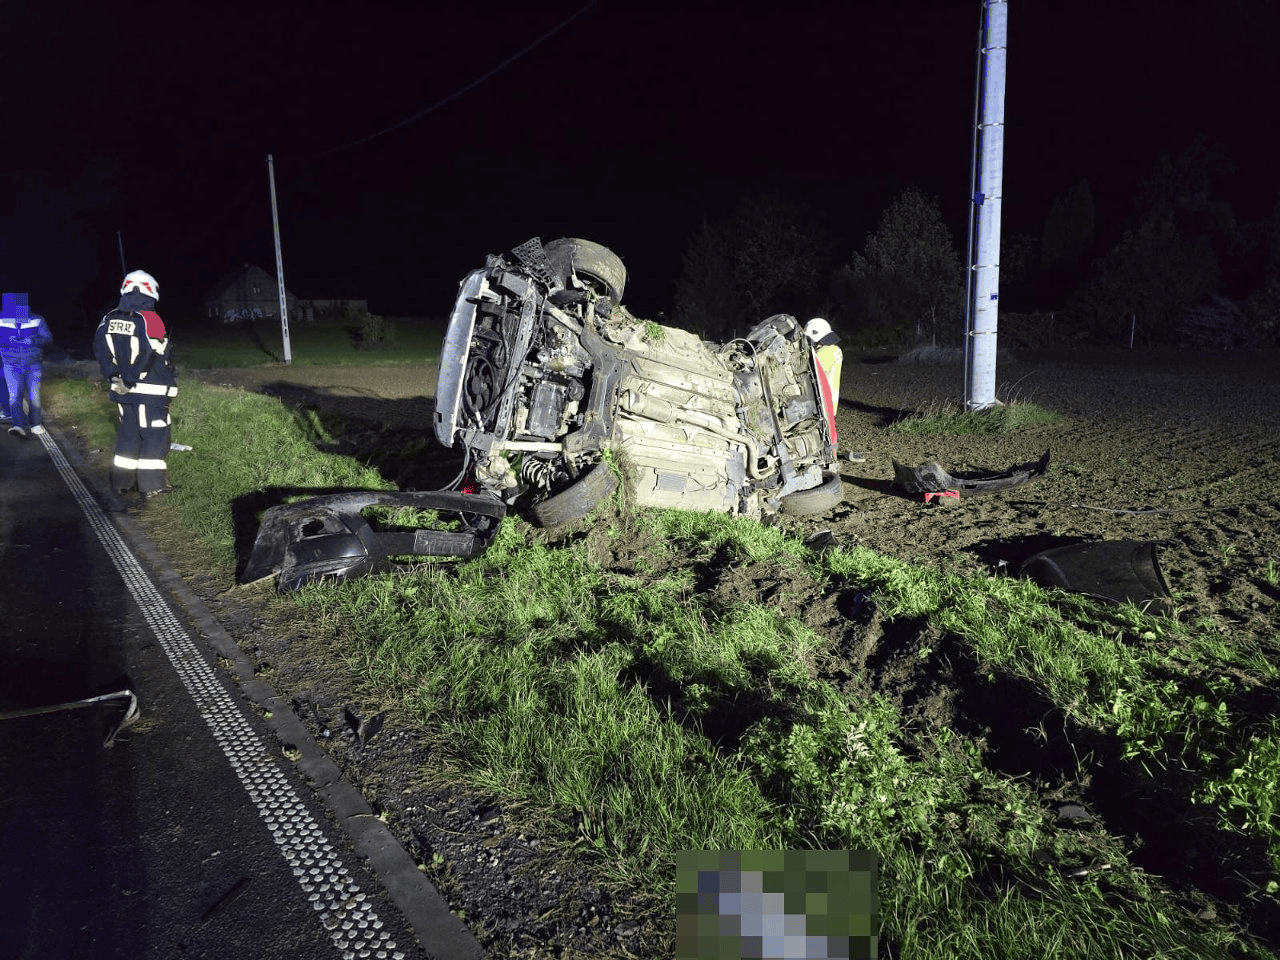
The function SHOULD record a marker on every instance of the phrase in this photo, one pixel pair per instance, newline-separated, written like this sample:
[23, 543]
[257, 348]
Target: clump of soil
[1176, 450]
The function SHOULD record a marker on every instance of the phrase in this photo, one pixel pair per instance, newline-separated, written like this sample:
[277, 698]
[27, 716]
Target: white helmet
[819, 331]
[143, 282]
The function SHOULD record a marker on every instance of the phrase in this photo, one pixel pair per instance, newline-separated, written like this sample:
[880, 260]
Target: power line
[460, 91]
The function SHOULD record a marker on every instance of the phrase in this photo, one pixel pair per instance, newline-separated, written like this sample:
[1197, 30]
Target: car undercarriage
[557, 395]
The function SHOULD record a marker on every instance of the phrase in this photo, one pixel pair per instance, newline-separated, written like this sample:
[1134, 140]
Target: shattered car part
[544, 375]
[931, 478]
[1117, 571]
[326, 537]
[131, 712]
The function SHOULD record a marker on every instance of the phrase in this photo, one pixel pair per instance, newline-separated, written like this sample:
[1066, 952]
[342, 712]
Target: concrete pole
[275, 226]
[988, 174]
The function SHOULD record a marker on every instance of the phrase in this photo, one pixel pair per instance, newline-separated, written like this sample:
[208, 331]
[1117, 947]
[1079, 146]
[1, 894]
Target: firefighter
[133, 351]
[830, 356]
[827, 352]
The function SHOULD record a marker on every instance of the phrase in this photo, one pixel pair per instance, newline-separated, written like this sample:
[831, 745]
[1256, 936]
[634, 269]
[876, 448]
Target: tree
[1149, 278]
[1065, 241]
[767, 257]
[1187, 180]
[1186, 186]
[908, 282]
[1182, 247]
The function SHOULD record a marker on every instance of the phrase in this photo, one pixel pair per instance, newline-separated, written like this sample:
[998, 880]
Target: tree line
[1177, 269]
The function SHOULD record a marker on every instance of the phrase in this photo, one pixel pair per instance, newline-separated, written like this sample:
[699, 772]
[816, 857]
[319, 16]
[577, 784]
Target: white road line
[352, 924]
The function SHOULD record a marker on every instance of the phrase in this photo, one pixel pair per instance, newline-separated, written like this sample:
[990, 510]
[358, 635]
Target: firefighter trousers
[142, 444]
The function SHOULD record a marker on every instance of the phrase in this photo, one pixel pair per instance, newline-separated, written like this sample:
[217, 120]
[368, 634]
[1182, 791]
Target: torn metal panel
[1117, 571]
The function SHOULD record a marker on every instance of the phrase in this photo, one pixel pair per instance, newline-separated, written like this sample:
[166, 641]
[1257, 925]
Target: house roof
[247, 272]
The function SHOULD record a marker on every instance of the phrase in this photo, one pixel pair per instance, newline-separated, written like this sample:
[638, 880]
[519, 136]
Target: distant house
[250, 293]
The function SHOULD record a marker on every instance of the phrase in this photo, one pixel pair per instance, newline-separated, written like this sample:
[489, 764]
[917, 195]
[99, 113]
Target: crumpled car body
[555, 391]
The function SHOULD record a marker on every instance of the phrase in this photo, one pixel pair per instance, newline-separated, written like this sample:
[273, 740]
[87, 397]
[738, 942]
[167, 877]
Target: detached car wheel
[576, 500]
[590, 261]
[826, 496]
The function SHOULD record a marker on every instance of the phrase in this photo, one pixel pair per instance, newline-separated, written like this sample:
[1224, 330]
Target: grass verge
[952, 420]
[639, 711]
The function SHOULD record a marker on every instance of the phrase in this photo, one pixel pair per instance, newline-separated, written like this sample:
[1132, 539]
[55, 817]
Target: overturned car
[545, 376]
[553, 390]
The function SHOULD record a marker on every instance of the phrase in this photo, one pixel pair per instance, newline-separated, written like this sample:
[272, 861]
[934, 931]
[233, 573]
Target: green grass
[242, 444]
[413, 340]
[949, 419]
[634, 716]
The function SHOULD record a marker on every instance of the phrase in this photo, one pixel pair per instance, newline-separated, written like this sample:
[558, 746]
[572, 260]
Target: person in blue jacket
[4, 400]
[132, 349]
[23, 336]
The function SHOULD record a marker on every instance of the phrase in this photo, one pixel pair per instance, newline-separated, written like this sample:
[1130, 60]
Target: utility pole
[275, 226]
[986, 182]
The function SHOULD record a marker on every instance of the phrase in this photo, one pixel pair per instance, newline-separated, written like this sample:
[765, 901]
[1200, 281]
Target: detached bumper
[931, 478]
[327, 538]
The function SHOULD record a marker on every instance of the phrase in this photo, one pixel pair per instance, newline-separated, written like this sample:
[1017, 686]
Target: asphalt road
[191, 835]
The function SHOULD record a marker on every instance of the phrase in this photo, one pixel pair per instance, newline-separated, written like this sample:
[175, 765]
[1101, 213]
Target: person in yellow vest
[826, 350]
[826, 345]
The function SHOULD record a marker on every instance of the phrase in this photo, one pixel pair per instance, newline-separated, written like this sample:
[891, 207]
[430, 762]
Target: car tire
[578, 499]
[826, 496]
[590, 261]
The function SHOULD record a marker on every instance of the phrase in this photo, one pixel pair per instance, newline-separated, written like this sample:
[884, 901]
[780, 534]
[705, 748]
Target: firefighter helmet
[820, 332]
[143, 282]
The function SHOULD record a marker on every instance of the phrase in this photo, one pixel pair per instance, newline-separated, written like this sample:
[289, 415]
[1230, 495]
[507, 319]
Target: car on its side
[555, 391]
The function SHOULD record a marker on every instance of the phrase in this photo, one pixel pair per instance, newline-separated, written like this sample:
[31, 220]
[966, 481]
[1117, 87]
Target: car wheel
[826, 496]
[590, 261]
[577, 500]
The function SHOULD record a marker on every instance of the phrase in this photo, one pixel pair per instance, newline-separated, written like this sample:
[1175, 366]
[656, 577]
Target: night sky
[625, 122]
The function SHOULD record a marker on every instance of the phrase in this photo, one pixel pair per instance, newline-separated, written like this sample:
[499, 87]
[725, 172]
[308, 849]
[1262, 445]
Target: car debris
[130, 716]
[364, 728]
[1115, 571]
[932, 479]
[327, 538]
[938, 496]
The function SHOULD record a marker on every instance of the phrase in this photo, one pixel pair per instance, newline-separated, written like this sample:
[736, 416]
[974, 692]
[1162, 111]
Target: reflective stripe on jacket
[125, 347]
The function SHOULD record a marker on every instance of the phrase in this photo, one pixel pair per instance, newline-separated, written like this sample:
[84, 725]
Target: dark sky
[626, 125]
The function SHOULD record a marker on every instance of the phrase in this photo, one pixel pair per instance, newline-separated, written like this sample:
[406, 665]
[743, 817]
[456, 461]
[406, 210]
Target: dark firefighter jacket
[131, 343]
